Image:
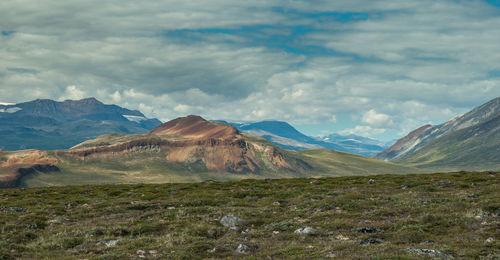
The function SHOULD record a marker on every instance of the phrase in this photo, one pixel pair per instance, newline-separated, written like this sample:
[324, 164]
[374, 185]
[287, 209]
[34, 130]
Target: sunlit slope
[332, 163]
[473, 148]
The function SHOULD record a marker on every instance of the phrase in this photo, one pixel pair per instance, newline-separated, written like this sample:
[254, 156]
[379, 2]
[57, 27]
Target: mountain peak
[420, 140]
[90, 100]
[194, 126]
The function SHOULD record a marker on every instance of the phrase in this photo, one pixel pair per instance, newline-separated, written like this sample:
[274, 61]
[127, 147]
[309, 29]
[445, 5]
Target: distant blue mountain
[286, 136]
[50, 125]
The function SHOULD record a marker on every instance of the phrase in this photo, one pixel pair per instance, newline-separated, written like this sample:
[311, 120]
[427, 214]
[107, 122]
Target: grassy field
[151, 167]
[360, 217]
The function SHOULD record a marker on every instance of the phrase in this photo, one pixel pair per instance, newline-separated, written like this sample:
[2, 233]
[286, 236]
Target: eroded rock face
[219, 147]
[22, 163]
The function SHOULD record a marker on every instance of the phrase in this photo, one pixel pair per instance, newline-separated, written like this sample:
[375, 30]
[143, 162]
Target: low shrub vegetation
[395, 217]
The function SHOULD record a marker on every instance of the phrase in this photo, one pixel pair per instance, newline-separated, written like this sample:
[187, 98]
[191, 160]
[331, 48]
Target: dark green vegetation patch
[377, 217]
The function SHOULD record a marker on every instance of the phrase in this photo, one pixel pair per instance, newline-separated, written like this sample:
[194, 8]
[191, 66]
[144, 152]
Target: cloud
[72, 93]
[390, 65]
[363, 130]
[375, 119]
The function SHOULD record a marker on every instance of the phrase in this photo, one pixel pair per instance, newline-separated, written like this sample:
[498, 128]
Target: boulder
[306, 231]
[429, 252]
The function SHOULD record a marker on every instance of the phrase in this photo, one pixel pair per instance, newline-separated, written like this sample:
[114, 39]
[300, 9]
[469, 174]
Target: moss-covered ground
[455, 213]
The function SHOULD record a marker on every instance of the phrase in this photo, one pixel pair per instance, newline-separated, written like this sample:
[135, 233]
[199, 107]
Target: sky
[372, 68]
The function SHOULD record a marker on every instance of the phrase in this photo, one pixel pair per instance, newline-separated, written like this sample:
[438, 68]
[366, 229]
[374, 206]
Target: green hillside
[151, 167]
[473, 148]
[127, 159]
[330, 163]
[390, 217]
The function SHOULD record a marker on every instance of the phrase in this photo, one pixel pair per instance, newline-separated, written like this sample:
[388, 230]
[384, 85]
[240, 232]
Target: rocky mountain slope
[49, 125]
[287, 137]
[469, 141]
[184, 150]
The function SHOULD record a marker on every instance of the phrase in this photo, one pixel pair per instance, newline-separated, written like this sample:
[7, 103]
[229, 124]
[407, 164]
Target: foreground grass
[182, 221]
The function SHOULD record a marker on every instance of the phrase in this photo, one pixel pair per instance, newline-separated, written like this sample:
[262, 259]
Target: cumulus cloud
[72, 93]
[390, 65]
[363, 130]
[375, 119]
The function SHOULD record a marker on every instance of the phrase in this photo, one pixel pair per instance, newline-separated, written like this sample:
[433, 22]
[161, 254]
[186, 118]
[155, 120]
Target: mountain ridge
[287, 137]
[49, 125]
[459, 143]
[184, 149]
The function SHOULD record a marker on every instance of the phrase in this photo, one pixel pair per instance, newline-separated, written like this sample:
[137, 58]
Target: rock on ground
[370, 241]
[245, 249]
[231, 221]
[444, 184]
[367, 230]
[306, 231]
[429, 252]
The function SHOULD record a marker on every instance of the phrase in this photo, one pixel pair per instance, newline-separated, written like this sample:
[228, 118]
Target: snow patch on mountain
[136, 119]
[10, 110]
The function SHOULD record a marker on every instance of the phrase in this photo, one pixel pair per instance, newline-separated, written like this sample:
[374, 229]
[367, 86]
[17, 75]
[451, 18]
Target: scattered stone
[153, 252]
[331, 255]
[54, 221]
[276, 203]
[370, 241]
[444, 184]
[371, 181]
[490, 240]
[245, 249]
[405, 186]
[141, 253]
[342, 238]
[367, 230]
[306, 231]
[429, 252]
[32, 226]
[108, 243]
[473, 196]
[231, 221]
[482, 214]
[315, 182]
[13, 209]
[276, 232]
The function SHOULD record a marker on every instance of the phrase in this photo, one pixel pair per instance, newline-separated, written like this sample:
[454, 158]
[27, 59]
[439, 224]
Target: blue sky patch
[23, 70]
[7, 33]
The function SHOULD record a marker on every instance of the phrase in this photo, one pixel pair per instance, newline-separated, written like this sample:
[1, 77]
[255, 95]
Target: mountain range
[185, 149]
[287, 137]
[190, 149]
[48, 125]
[467, 142]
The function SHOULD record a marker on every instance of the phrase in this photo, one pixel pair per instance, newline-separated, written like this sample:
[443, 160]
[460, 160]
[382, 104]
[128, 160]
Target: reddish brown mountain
[404, 144]
[194, 140]
[22, 163]
[195, 127]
